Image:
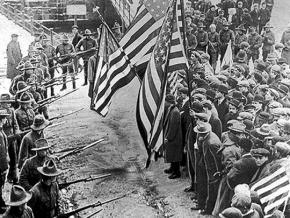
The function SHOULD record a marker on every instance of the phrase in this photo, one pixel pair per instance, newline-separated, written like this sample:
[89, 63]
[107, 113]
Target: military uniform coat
[29, 174]
[28, 213]
[44, 201]
[27, 144]
[4, 158]
[24, 118]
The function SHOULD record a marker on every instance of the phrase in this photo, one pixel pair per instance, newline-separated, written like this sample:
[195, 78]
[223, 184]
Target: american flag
[138, 41]
[167, 57]
[273, 189]
[105, 83]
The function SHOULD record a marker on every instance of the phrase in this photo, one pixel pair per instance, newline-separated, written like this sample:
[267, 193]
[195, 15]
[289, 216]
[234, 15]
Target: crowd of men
[229, 127]
[25, 153]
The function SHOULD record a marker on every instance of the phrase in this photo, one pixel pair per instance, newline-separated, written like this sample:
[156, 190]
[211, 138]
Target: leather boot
[64, 84]
[74, 84]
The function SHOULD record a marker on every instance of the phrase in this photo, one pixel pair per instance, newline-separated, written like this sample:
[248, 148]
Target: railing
[124, 10]
[27, 22]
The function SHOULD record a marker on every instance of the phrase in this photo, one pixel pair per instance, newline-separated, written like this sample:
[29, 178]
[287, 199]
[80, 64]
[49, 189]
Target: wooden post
[51, 35]
[75, 20]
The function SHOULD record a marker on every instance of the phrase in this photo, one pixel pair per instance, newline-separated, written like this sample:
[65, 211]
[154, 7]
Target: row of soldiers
[230, 128]
[25, 155]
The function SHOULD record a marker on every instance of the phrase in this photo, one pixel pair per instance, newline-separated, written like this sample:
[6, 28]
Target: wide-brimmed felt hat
[242, 28]
[88, 32]
[116, 26]
[3, 113]
[75, 27]
[39, 123]
[41, 144]
[25, 98]
[22, 87]
[18, 196]
[38, 46]
[202, 127]
[237, 127]
[268, 25]
[49, 169]
[264, 130]
[239, 96]
[27, 66]
[5, 98]
[64, 37]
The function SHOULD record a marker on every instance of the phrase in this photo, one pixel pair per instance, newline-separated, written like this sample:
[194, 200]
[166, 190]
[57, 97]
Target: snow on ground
[7, 27]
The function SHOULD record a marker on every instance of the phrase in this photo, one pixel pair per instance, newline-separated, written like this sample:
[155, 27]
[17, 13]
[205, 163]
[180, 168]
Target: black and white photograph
[144, 108]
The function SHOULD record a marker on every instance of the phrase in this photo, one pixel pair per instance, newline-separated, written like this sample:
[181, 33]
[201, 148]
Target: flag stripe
[281, 182]
[282, 189]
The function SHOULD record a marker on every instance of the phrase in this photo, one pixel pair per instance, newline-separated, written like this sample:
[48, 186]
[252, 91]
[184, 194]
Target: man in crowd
[14, 56]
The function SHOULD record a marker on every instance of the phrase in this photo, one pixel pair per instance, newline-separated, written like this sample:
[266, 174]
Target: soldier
[4, 158]
[210, 15]
[29, 175]
[213, 45]
[201, 37]
[77, 37]
[24, 114]
[18, 204]
[11, 129]
[86, 43]
[37, 39]
[219, 21]
[28, 141]
[14, 56]
[45, 194]
[49, 51]
[117, 31]
[26, 72]
[255, 42]
[268, 41]
[66, 50]
[239, 38]
[225, 36]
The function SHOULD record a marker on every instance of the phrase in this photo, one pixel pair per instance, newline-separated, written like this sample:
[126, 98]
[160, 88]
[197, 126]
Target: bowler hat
[264, 130]
[41, 144]
[38, 46]
[14, 35]
[75, 27]
[39, 123]
[18, 196]
[202, 128]
[24, 98]
[259, 152]
[237, 127]
[49, 169]
[239, 96]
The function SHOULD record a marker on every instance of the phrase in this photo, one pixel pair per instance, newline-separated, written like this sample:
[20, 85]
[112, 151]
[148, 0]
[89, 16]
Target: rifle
[60, 83]
[65, 115]
[47, 99]
[80, 149]
[88, 179]
[97, 204]
[56, 99]
[66, 149]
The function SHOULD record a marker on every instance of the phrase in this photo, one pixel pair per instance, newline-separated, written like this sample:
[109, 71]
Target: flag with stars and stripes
[132, 56]
[167, 57]
[274, 189]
